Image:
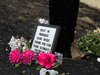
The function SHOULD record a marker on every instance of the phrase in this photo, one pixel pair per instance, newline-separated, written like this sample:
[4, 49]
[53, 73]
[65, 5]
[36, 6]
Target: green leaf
[47, 73]
[83, 50]
[17, 37]
[98, 53]
[20, 63]
[16, 65]
[37, 61]
[63, 74]
[28, 45]
[80, 43]
[21, 50]
[82, 38]
[29, 63]
[87, 48]
[18, 48]
[55, 66]
[39, 68]
[87, 44]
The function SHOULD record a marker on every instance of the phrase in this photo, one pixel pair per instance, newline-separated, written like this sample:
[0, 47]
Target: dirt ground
[18, 17]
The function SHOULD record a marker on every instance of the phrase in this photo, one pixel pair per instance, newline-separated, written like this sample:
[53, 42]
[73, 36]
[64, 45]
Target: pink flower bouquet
[15, 56]
[21, 53]
[27, 56]
[46, 59]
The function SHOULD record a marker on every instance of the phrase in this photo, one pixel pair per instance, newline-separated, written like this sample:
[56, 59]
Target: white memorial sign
[44, 38]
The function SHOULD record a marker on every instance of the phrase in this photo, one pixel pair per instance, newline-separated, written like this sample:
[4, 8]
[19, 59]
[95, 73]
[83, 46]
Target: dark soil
[18, 17]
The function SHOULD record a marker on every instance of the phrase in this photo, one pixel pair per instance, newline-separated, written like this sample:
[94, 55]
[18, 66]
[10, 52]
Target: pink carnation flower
[27, 56]
[15, 56]
[46, 59]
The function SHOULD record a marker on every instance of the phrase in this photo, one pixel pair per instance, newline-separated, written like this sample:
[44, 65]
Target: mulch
[18, 17]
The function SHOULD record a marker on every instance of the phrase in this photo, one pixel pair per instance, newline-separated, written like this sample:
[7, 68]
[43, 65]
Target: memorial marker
[45, 38]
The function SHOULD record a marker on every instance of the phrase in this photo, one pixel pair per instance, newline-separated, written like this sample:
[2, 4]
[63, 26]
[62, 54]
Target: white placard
[43, 39]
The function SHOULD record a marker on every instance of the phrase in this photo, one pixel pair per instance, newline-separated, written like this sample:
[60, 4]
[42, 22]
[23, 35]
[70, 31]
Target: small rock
[7, 49]
[75, 31]
[9, 5]
[87, 56]
[23, 71]
[98, 59]
[67, 73]
[95, 68]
